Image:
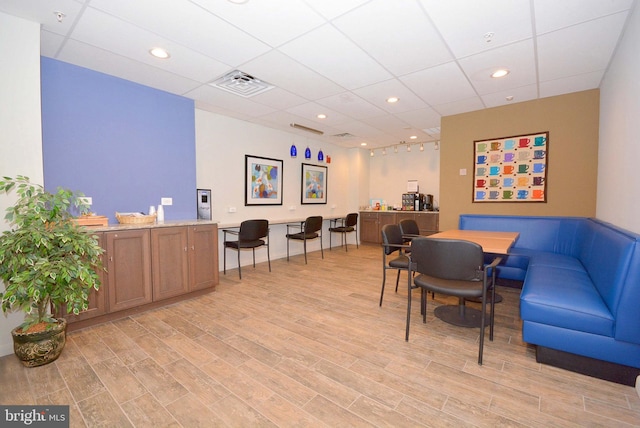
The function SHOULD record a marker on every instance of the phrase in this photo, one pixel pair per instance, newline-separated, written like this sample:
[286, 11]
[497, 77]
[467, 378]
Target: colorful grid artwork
[511, 169]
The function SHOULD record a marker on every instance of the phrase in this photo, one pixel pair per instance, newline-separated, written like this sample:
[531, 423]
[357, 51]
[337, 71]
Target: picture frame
[263, 181]
[314, 184]
[511, 169]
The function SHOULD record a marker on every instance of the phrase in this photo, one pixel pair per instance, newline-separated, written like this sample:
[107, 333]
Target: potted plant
[48, 264]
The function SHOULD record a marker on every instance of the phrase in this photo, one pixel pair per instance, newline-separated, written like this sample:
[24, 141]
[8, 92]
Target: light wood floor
[309, 346]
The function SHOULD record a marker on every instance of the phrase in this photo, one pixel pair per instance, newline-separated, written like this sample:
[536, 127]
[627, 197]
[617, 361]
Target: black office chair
[252, 234]
[391, 242]
[311, 228]
[456, 268]
[409, 229]
[348, 224]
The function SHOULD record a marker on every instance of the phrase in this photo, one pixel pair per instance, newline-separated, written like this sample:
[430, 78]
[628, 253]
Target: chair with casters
[348, 224]
[409, 229]
[456, 268]
[311, 228]
[392, 242]
[251, 234]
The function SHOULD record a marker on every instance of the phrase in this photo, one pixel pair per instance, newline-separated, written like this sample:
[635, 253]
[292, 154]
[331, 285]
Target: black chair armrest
[298, 226]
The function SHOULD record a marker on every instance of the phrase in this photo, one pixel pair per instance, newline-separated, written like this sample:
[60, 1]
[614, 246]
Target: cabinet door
[169, 261]
[97, 299]
[369, 230]
[128, 269]
[427, 222]
[203, 256]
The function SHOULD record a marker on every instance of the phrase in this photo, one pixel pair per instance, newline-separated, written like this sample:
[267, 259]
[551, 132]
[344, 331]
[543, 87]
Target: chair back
[351, 220]
[312, 224]
[391, 236]
[409, 227]
[252, 230]
[448, 258]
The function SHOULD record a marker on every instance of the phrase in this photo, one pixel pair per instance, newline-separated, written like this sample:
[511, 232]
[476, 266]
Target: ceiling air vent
[344, 135]
[240, 83]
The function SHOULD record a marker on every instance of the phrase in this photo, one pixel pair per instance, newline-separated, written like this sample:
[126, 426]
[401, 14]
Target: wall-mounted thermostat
[204, 204]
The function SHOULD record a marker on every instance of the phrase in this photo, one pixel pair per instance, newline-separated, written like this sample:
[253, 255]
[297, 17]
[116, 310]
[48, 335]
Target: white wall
[618, 199]
[388, 174]
[221, 146]
[20, 121]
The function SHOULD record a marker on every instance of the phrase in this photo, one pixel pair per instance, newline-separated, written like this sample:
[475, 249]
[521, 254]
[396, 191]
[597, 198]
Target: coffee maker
[417, 202]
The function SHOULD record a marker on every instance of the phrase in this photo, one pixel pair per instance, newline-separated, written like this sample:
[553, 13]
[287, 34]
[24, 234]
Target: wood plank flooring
[308, 345]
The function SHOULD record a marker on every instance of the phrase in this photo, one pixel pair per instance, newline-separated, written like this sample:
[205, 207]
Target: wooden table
[491, 242]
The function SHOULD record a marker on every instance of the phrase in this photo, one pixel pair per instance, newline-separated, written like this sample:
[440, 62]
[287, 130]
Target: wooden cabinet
[369, 230]
[170, 261]
[371, 223]
[97, 299]
[203, 256]
[150, 266]
[128, 269]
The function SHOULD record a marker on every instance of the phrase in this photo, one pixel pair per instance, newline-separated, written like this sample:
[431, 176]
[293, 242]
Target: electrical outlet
[292, 208]
[463, 171]
[86, 200]
[166, 201]
[232, 209]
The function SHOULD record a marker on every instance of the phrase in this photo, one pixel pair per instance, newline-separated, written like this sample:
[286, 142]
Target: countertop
[169, 223]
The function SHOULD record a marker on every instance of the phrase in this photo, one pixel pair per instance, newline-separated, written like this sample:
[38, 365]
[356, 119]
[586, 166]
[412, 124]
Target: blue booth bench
[580, 300]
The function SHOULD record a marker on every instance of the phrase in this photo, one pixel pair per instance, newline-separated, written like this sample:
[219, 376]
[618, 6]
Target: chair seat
[401, 262]
[244, 244]
[457, 288]
[342, 229]
[302, 235]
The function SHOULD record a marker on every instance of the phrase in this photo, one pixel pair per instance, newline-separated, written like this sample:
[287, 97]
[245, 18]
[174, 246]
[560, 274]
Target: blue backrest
[628, 315]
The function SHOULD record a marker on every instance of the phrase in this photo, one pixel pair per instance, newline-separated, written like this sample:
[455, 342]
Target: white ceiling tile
[422, 118]
[107, 62]
[189, 25]
[278, 98]
[521, 94]
[378, 93]
[464, 23]
[333, 8]
[42, 11]
[134, 42]
[518, 58]
[220, 98]
[274, 22]
[570, 84]
[579, 49]
[310, 110]
[460, 106]
[330, 53]
[282, 71]
[552, 15]
[404, 21]
[439, 85]
[50, 43]
[351, 105]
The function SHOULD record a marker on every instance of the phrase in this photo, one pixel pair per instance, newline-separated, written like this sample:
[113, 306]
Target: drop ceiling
[341, 58]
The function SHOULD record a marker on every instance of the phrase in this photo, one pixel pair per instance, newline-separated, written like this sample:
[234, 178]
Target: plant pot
[40, 348]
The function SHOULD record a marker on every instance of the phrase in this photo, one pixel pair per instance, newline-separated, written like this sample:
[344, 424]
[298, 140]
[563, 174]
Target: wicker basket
[135, 219]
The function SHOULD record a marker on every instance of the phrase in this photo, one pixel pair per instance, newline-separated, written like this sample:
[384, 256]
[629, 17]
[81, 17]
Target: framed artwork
[314, 184]
[511, 169]
[262, 181]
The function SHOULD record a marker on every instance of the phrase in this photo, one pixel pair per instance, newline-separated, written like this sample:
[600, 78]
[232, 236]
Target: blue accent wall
[121, 143]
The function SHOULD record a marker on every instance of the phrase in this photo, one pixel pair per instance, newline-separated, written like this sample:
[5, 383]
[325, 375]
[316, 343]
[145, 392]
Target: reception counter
[371, 222]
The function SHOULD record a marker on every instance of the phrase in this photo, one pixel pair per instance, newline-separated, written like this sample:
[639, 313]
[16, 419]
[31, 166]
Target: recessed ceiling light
[500, 73]
[363, 144]
[392, 100]
[239, 1]
[413, 137]
[509, 98]
[321, 116]
[159, 53]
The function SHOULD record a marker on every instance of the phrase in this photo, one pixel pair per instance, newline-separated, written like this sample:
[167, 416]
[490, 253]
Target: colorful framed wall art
[511, 169]
[263, 181]
[314, 184]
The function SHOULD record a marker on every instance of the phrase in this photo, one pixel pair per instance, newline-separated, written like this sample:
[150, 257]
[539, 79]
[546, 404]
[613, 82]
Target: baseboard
[605, 370]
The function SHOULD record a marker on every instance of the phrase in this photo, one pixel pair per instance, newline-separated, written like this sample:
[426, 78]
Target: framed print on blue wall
[314, 184]
[263, 181]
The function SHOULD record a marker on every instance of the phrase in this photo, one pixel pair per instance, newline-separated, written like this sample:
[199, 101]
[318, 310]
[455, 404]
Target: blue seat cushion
[566, 298]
